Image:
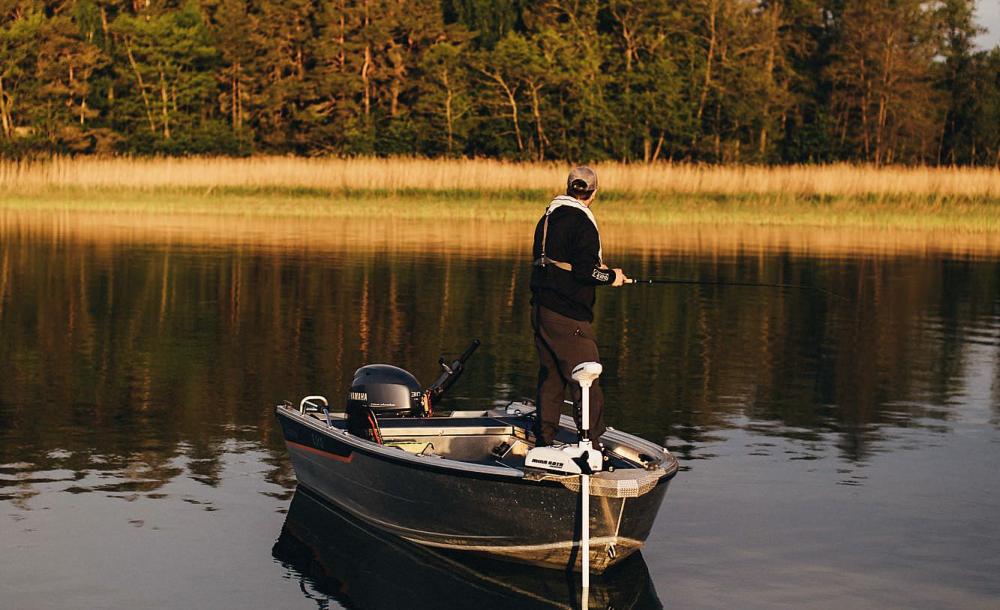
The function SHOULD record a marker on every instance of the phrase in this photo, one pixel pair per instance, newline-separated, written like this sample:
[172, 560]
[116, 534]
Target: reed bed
[155, 191]
[885, 212]
[489, 176]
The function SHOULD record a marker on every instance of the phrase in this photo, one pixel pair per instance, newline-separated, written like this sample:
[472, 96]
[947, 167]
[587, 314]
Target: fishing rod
[654, 281]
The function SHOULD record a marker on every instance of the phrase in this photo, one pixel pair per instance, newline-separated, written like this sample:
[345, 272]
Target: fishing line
[654, 281]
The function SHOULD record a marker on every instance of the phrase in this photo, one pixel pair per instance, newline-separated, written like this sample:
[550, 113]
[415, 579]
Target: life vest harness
[544, 260]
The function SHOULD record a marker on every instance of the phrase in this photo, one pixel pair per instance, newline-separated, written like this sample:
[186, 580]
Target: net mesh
[625, 483]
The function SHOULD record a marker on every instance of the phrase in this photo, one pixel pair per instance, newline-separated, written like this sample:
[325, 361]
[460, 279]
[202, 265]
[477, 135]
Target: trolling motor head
[586, 372]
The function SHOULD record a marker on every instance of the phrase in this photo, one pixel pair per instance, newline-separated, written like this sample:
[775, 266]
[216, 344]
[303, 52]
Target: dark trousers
[562, 344]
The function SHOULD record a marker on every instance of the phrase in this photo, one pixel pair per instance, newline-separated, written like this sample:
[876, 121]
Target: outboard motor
[381, 390]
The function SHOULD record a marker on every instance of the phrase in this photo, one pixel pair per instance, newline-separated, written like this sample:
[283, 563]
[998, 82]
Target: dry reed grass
[896, 212]
[484, 175]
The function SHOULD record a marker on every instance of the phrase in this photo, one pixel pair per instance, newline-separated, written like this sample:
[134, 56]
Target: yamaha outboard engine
[383, 390]
[380, 390]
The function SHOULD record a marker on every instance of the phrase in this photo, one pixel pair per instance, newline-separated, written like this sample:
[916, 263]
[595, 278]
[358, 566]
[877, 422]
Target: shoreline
[481, 204]
[966, 214]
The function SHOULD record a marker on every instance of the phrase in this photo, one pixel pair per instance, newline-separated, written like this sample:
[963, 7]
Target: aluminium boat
[464, 481]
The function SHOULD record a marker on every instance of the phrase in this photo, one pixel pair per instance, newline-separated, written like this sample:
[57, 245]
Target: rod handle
[469, 350]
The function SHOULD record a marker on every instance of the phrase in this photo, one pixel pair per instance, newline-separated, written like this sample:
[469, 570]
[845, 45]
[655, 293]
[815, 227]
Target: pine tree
[880, 72]
[445, 97]
[489, 20]
[958, 81]
[235, 31]
[64, 65]
[19, 91]
[282, 88]
[172, 59]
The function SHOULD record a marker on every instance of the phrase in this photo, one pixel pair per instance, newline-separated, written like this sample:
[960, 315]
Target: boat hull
[363, 567]
[430, 503]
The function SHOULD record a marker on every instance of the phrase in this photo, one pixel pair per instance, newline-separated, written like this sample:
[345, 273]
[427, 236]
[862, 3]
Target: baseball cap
[581, 179]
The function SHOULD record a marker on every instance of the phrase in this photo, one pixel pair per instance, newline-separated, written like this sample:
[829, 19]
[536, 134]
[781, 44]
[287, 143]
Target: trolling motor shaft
[585, 374]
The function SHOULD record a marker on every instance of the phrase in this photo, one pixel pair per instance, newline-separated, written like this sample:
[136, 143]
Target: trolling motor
[581, 458]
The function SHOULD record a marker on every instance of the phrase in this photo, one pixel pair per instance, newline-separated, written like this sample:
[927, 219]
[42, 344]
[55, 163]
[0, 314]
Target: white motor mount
[564, 460]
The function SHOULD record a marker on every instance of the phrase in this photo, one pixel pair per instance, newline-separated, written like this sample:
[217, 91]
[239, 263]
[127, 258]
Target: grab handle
[308, 399]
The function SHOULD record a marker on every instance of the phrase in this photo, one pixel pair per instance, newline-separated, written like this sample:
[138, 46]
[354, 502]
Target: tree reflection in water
[150, 352]
[147, 370]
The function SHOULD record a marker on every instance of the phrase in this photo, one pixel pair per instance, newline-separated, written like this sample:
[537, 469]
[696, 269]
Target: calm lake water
[840, 447]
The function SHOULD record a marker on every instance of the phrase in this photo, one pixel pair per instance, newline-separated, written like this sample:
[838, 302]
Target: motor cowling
[383, 390]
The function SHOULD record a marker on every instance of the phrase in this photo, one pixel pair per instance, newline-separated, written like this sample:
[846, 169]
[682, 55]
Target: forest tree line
[717, 81]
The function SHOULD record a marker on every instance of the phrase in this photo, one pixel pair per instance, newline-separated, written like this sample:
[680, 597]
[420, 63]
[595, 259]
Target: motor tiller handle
[450, 374]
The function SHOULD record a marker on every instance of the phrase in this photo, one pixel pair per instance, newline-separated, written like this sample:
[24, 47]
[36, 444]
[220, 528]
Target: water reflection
[138, 375]
[338, 559]
[479, 238]
[148, 353]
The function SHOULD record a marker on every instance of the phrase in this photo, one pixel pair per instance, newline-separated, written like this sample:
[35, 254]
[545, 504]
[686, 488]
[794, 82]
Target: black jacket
[573, 239]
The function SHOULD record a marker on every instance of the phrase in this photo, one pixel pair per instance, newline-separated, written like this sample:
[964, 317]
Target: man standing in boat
[567, 268]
